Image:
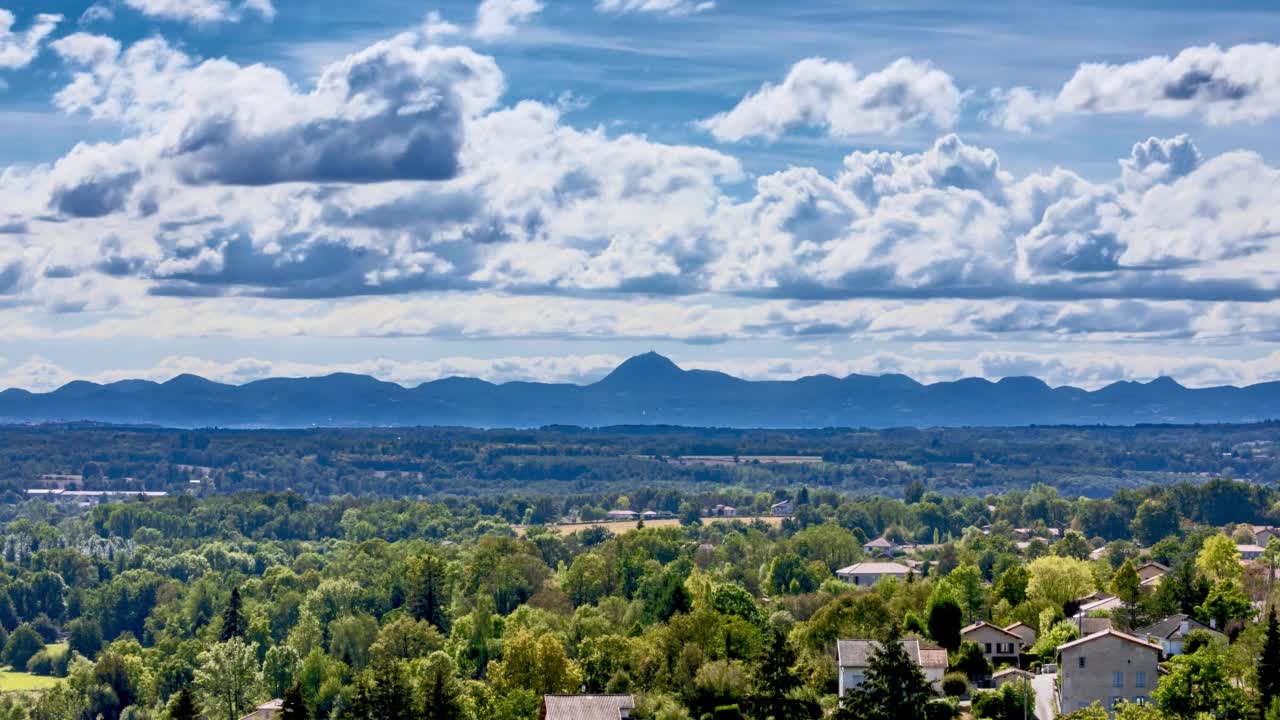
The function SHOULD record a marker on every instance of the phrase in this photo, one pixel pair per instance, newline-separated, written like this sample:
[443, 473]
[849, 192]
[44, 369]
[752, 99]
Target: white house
[869, 573]
[853, 657]
[1172, 631]
[880, 546]
[1250, 552]
[782, 509]
[619, 515]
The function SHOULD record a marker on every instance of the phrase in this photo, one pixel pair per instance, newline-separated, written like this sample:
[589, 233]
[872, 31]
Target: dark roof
[1170, 628]
[587, 707]
[857, 653]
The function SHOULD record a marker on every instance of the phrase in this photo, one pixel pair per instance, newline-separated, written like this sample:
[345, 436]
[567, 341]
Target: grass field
[624, 526]
[11, 681]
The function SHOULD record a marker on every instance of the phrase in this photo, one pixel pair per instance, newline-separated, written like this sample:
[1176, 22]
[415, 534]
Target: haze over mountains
[647, 390]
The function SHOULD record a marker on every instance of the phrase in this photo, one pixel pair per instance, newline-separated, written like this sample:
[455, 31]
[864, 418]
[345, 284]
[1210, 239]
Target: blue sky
[533, 189]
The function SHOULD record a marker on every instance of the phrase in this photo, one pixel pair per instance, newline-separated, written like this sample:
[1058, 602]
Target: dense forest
[184, 607]
[438, 462]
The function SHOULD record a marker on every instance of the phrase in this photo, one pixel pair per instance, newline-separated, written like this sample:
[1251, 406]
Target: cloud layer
[19, 48]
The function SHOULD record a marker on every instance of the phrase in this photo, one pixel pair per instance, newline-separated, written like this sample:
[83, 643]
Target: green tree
[1154, 521]
[1219, 559]
[428, 592]
[183, 706]
[295, 704]
[1058, 580]
[1072, 545]
[895, 688]
[968, 659]
[1269, 663]
[1227, 601]
[1012, 586]
[773, 695]
[439, 687]
[1199, 684]
[234, 622]
[229, 679]
[84, 636]
[280, 669]
[945, 622]
[1127, 586]
[1012, 701]
[21, 646]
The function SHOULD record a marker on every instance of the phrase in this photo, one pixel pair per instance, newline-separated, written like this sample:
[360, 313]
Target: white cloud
[435, 28]
[19, 49]
[497, 19]
[97, 13]
[832, 96]
[203, 11]
[674, 8]
[1240, 84]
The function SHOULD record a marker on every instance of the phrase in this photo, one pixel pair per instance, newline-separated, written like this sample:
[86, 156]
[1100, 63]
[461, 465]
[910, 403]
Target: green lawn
[24, 682]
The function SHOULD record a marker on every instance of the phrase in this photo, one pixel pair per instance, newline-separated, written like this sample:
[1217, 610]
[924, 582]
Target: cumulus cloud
[202, 11]
[1235, 85]
[675, 8]
[832, 96]
[497, 19]
[19, 49]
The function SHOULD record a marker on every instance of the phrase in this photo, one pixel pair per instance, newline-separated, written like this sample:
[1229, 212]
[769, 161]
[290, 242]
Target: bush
[955, 684]
[24, 643]
[41, 664]
[43, 625]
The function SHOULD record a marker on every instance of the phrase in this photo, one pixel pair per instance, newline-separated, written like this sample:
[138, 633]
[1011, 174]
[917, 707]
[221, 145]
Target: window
[1140, 679]
[1081, 661]
[1140, 700]
[1115, 701]
[986, 648]
[1117, 680]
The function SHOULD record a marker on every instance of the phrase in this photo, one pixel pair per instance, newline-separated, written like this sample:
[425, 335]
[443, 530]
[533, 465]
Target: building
[723, 511]
[1024, 631]
[1172, 631]
[880, 546]
[782, 509]
[869, 573]
[587, 707]
[620, 515]
[1250, 552]
[1010, 675]
[1106, 605]
[266, 711]
[1106, 668]
[999, 646]
[1151, 570]
[1262, 534]
[853, 657]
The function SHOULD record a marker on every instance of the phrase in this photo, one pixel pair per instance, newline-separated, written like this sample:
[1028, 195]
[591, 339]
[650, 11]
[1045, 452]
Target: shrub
[955, 684]
[41, 664]
[22, 645]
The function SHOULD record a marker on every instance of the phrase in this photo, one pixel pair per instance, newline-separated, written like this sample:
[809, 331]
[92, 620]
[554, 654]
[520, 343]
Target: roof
[1010, 671]
[1109, 633]
[587, 707]
[879, 543]
[1251, 548]
[1170, 628]
[1017, 624]
[1153, 563]
[1110, 603]
[857, 653]
[980, 625]
[1151, 581]
[874, 568]
[277, 704]
[1092, 626]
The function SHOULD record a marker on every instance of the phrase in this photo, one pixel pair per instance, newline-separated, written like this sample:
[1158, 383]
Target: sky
[1082, 191]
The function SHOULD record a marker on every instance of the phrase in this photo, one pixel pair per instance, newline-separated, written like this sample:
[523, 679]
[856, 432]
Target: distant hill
[645, 390]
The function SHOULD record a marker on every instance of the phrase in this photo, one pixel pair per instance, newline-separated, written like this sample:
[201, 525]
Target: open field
[623, 526]
[24, 682]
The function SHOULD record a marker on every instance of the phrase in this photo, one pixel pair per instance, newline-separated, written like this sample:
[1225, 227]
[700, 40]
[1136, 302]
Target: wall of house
[1104, 657]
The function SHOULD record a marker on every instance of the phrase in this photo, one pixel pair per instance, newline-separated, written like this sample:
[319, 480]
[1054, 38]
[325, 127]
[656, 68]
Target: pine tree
[1269, 663]
[895, 688]
[428, 599]
[776, 681]
[234, 624]
[392, 696]
[183, 706]
[295, 705]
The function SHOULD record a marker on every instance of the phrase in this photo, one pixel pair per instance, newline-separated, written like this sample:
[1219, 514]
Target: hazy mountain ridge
[647, 389]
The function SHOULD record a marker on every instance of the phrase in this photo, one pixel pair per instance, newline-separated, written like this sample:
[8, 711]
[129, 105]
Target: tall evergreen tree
[441, 694]
[183, 706]
[392, 696]
[775, 683]
[1127, 586]
[1269, 664]
[895, 687]
[234, 623]
[295, 705]
[428, 596]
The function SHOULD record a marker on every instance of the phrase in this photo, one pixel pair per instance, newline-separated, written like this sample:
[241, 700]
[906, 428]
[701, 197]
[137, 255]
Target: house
[621, 515]
[723, 511]
[1151, 570]
[1092, 626]
[1106, 605]
[1099, 553]
[1250, 552]
[880, 546]
[1011, 675]
[854, 656]
[999, 646]
[266, 711]
[1106, 668]
[1262, 534]
[782, 509]
[869, 573]
[1024, 631]
[587, 707]
[1172, 631]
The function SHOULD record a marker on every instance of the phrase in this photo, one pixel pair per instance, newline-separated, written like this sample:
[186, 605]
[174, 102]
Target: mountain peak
[647, 368]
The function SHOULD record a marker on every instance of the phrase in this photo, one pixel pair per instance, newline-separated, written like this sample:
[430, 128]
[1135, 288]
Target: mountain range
[647, 389]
